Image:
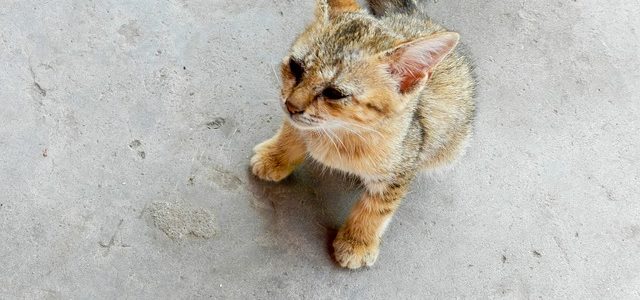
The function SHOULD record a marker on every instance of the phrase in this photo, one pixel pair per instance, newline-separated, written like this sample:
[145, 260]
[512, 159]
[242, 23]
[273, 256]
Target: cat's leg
[356, 244]
[277, 157]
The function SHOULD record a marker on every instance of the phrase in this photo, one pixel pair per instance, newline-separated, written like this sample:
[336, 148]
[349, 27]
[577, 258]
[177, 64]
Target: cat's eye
[296, 69]
[332, 93]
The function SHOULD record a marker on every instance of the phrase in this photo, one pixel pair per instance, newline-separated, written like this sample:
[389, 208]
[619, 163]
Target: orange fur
[400, 100]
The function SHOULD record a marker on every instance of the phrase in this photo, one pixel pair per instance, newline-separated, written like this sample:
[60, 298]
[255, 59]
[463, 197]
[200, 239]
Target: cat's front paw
[353, 254]
[266, 164]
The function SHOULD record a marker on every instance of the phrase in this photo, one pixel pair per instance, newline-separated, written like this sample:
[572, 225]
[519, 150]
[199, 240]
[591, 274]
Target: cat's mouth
[308, 122]
[304, 120]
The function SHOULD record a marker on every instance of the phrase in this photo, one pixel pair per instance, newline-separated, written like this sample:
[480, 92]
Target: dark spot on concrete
[191, 180]
[504, 259]
[609, 194]
[184, 68]
[577, 234]
[135, 144]
[40, 90]
[45, 152]
[536, 253]
[142, 154]
[216, 123]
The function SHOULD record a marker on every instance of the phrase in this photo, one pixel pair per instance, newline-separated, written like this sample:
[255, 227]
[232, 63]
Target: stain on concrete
[631, 232]
[225, 179]
[130, 31]
[216, 123]
[135, 144]
[179, 222]
[112, 241]
[36, 85]
[40, 90]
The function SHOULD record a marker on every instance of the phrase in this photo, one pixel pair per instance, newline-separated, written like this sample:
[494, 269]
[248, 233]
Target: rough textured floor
[126, 122]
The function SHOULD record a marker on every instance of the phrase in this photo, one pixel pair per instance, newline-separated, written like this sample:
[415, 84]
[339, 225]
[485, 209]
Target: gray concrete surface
[111, 109]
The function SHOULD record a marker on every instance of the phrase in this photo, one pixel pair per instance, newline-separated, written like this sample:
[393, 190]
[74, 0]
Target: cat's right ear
[412, 63]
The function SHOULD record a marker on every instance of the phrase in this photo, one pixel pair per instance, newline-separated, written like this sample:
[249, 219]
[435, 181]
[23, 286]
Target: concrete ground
[127, 126]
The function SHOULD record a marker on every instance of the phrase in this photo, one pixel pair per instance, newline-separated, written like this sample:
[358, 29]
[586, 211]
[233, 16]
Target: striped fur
[407, 106]
[384, 7]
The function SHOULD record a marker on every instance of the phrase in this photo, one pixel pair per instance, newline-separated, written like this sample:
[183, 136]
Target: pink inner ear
[413, 61]
[409, 77]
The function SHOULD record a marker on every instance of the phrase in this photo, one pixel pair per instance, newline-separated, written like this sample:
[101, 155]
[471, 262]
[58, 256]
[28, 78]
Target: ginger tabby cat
[380, 94]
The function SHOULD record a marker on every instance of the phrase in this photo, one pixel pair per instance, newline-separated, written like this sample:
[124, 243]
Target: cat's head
[347, 70]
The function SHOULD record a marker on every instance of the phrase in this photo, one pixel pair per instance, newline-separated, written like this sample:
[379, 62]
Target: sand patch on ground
[179, 222]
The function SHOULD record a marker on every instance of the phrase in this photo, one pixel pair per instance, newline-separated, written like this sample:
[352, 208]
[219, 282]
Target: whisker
[341, 126]
[276, 73]
[337, 137]
[332, 142]
[367, 128]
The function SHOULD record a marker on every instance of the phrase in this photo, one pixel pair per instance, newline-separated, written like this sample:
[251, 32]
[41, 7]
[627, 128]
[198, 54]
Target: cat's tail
[380, 8]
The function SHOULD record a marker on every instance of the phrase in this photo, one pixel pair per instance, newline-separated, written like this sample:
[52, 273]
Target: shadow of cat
[305, 210]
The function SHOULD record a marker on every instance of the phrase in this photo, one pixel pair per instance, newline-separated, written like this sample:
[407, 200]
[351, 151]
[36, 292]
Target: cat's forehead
[344, 39]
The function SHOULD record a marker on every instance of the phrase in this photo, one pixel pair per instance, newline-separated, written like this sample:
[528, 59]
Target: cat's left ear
[329, 8]
[412, 63]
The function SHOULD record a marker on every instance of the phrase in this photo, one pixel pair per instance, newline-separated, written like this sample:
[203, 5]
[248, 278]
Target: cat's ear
[411, 63]
[322, 10]
[328, 8]
[340, 6]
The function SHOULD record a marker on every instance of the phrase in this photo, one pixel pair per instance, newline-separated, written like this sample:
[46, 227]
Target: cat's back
[446, 106]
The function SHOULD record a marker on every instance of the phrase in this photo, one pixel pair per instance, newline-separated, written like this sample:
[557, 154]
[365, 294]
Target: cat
[380, 94]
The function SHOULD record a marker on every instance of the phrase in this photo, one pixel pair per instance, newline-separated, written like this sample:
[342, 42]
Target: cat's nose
[293, 109]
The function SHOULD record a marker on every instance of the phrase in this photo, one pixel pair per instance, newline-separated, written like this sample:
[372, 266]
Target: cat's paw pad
[354, 255]
[267, 167]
